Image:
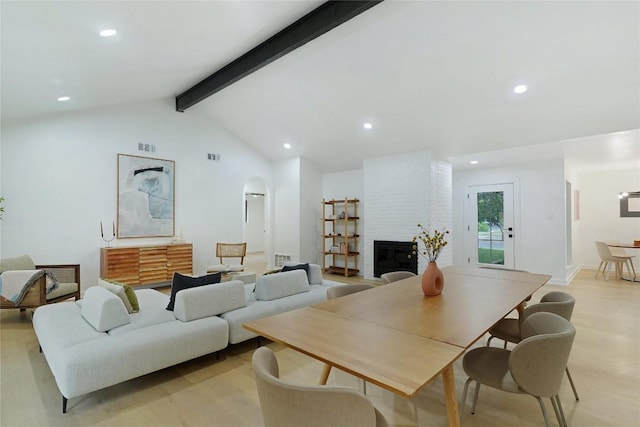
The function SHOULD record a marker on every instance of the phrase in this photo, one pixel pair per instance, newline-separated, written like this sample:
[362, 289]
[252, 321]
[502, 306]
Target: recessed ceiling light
[286, 145]
[64, 98]
[520, 89]
[108, 33]
[367, 125]
[473, 162]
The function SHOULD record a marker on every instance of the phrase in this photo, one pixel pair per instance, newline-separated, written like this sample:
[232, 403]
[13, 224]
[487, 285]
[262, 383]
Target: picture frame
[146, 197]
[630, 205]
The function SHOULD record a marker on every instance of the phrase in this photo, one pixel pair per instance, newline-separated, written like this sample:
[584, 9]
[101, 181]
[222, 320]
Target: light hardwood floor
[605, 364]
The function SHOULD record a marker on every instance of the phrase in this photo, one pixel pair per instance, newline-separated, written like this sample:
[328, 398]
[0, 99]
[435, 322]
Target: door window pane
[490, 227]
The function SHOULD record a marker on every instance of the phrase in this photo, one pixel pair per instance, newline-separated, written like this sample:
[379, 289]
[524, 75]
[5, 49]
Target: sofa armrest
[209, 300]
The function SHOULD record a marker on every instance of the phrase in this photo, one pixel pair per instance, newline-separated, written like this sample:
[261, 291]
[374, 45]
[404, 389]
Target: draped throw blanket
[15, 284]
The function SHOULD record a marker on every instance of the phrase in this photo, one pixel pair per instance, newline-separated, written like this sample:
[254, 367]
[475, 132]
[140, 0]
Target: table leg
[325, 374]
[451, 400]
[520, 309]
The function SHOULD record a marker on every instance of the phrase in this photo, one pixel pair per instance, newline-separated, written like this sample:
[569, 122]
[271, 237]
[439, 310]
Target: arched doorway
[255, 221]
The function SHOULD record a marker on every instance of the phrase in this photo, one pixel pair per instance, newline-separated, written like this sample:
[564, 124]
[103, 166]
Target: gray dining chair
[535, 366]
[337, 292]
[283, 404]
[394, 276]
[508, 329]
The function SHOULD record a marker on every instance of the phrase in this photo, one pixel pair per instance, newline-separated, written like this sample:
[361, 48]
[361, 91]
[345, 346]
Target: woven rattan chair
[229, 250]
[535, 366]
[289, 405]
[67, 276]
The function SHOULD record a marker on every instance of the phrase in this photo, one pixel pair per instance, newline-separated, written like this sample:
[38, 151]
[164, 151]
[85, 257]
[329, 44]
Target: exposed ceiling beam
[317, 22]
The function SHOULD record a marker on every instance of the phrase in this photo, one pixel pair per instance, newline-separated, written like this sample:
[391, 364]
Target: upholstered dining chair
[337, 292]
[283, 404]
[508, 329]
[619, 260]
[394, 276]
[534, 366]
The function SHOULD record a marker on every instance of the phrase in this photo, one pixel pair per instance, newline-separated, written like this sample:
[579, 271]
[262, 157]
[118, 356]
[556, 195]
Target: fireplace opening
[391, 256]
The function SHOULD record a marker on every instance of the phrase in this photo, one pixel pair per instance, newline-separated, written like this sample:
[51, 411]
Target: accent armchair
[67, 277]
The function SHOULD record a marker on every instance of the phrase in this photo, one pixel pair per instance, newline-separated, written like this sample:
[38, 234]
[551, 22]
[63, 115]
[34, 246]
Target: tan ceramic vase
[432, 280]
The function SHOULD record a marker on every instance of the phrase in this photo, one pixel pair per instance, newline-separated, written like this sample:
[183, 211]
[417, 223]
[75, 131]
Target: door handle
[510, 230]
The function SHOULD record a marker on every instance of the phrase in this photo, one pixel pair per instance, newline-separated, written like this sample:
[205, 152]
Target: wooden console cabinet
[146, 265]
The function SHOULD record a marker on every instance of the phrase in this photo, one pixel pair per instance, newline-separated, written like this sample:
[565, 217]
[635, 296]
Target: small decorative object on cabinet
[340, 236]
[148, 266]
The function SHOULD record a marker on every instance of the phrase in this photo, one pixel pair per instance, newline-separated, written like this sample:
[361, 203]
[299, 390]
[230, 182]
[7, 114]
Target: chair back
[605, 252]
[340, 291]
[538, 362]
[231, 250]
[394, 276]
[560, 303]
[285, 405]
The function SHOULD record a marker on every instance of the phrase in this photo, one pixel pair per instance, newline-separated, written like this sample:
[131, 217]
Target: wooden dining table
[395, 337]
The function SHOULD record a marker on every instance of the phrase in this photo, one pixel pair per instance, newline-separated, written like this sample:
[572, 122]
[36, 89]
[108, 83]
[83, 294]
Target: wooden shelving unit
[340, 236]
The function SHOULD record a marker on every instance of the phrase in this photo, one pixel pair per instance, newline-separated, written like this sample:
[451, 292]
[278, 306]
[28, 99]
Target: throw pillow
[304, 267]
[181, 282]
[118, 291]
[130, 293]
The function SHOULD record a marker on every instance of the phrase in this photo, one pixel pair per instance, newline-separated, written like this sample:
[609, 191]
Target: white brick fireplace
[400, 192]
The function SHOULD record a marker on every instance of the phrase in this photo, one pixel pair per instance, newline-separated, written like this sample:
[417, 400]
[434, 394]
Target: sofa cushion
[209, 300]
[119, 291]
[18, 263]
[153, 311]
[281, 285]
[314, 272]
[181, 282]
[103, 310]
[129, 292]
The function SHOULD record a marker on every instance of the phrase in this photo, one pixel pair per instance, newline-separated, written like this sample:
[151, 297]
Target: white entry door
[490, 226]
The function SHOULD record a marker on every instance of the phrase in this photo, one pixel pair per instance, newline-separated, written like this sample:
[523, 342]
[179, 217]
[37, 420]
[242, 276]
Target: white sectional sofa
[95, 343]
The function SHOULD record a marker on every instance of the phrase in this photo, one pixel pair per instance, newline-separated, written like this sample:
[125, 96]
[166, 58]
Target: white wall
[600, 213]
[310, 195]
[287, 208]
[539, 206]
[59, 181]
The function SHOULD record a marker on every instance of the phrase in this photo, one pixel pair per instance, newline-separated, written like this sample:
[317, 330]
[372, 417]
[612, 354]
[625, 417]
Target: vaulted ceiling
[435, 75]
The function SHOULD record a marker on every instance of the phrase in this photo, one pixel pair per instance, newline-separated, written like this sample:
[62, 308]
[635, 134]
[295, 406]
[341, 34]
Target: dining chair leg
[564, 420]
[464, 393]
[599, 268]
[605, 270]
[556, 411]
[632, 270]
[475, 397]
[573, 387]
[544, 411]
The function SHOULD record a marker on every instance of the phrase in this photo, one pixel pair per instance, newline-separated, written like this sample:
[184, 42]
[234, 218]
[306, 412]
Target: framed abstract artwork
[146, 197]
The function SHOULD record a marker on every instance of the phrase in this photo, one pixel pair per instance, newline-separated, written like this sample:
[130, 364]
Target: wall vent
[149, 148]
[280, 259]
[212, 156]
